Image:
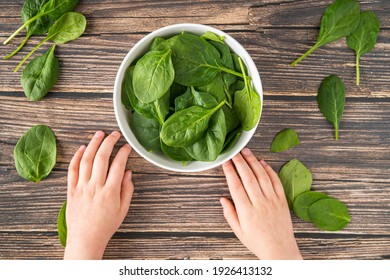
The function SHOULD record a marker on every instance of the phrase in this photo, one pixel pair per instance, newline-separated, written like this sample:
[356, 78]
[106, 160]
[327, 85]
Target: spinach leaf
[213, 37]
[52, 8]
[30, 9]
[236, 64]
[227, 61]
[304, 201]
[153, 75]
[238, 85]
[296, 179]
[175, 153]
[35, 153]
[363, 39]
[156, 41]
[331, 100]
[195, 98]
[156, 110]
[215, 88]
[176, 90]
[196, 61]
[147, 131]
[329, 214]
[231, 117]
[40, 75]
[247, 104]
[231, 139]
[187, 126]
[284, 140]
[61, 225]
[68, 27]
[210, 145]
[339, 20]
[127, 88]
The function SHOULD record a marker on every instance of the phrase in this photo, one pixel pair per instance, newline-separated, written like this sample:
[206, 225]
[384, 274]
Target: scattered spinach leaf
[363, 39]
[331, 100]
[304, 201]
[296, 179]
[329, 214]
[339, 20]
[284, 140]
[40, 75]
[35, 153]
[61, 225]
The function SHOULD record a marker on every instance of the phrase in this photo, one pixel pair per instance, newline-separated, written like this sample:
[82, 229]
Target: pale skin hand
[260, 216]
[98, 197]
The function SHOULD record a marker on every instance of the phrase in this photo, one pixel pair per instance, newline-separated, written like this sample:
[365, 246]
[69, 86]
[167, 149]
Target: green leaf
[147, 132]
[35, 153]
[210, 145]
[127, 88]
[329, 214]
[187, 126]
[153, 75]
[195, 98]
[296, 179]
[304, 201]
[247, 104]
[339, 20]
[284, 140]
[175, 153]
[156, 41]
[40, 75]
[227, 61]
[231, 117]
[61, 225]
[363, 39]
[213, 37]
[215, 88]
[231, 140]
[331, 100]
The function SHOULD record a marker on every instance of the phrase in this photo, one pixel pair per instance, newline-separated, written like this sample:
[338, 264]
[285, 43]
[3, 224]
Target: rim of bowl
[122, 113]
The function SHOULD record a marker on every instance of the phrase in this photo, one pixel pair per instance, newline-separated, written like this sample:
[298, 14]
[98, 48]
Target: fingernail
[115, 133]
[99, 134]
[246, 152]
[263, 163]
[127, 145]
[82, 148]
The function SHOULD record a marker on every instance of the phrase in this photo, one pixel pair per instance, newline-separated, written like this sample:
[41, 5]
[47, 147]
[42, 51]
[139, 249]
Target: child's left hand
[98, 196]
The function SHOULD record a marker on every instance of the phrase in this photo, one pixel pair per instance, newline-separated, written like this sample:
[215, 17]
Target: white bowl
[123, 115]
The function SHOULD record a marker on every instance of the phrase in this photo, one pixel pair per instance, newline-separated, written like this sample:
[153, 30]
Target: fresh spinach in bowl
[191, 97]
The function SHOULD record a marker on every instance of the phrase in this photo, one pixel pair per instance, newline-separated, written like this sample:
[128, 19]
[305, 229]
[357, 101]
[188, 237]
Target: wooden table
[178, 215]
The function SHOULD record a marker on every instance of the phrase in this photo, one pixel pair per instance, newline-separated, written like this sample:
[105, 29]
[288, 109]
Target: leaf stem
[357, 69]
[18, 48]
[21, 28]
[305, 55]
[337, 133]
[30, 53]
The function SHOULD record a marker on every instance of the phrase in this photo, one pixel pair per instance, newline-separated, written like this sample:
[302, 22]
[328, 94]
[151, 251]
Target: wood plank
[36, 245]
[306, 13]
[354, 169]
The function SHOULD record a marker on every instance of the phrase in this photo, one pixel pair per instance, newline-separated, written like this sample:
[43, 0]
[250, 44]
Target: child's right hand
[260, 216]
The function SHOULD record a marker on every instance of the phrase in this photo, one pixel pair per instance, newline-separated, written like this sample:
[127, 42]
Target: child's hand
[260, 217]
[98, 196]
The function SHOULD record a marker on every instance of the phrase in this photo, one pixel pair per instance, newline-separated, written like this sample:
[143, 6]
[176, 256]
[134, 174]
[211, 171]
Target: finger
[230, 215]
[126, 191]
[73, 170]
[236, 188]
[248, 179]
[261, 175]
[117, 169]
[276, 183]
[89, 155]
[102, 158]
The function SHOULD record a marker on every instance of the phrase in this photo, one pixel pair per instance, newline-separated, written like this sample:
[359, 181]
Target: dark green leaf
[210, 145]
[61, 225]
[127, 88]
[339, 20]
[214, 88]
[363, 39]
[231, 117]
[194, 98]
[56, 8]
[231, 140]
[296, 179]
[227, 61]
[40, 75]
[68, 27]
[156, 41]
[304, 201]
[187, 126]
[30, 9]
[175, 153]
[236, 64]
[331, 100]
[329, 214]
[153, 75]
[35, 153]
[176, 90]
[147, 132]
[284, 140]
[213, 37]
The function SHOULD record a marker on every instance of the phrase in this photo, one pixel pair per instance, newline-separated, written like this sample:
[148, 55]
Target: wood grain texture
[175, 215]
